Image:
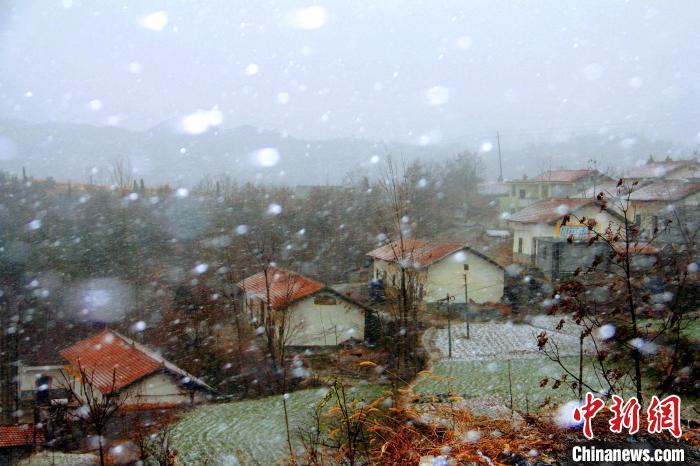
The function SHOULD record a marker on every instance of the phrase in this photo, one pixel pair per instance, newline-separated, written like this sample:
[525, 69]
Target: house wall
[529, 231]
[514, 202]
[557, 258]
[161, 388]
[313, 324]
[387, 271]
[485, 281]
[28, 376]
[683, 173]
[647, 210]
[158, 388]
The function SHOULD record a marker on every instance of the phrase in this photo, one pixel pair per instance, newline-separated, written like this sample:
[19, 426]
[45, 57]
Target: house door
[555, 260]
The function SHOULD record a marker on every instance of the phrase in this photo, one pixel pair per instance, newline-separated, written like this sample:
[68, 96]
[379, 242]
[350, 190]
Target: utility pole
[447, 300]
[466, 298]
[500, 162]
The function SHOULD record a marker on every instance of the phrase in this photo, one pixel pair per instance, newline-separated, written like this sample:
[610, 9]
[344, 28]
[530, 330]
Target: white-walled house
[302, 311]
[441, 268]
[545, 219]
[116, 364]
[44, 381]
[668, 169]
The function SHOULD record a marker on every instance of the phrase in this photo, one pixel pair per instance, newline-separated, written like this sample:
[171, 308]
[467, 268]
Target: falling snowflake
[155, 21]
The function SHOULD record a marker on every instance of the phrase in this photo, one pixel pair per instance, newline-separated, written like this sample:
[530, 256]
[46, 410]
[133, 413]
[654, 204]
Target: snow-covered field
[500, 341]
[479, 365]
[50, 458]
[248, 432]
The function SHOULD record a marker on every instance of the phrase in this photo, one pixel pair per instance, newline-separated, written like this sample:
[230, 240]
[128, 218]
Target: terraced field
[251, 431]
[479, 365]
[490, 340]
[471, 379]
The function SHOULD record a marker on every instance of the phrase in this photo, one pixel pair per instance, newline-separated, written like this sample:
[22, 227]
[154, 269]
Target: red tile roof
[549, 211]
[421, 253]
[285, 287]
[109, 355]
[20, 436]
[563, 176]
[660, 169]
[669, 190]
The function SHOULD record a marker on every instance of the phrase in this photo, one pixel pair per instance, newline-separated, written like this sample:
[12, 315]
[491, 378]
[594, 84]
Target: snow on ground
[50, 458]
[251, 431]
[479, 365]
[500, 341]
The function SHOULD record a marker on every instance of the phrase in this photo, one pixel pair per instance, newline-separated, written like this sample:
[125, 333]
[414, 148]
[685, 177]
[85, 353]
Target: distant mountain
[163, 154]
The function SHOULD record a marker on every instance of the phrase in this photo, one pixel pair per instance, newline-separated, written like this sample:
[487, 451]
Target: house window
[544, 252]
[520, 245]
[324, 300]
[638, 220]
[654, 223]
[512, 190]
[420, 291]
[393, 280]
[522, 194]
[545, 191]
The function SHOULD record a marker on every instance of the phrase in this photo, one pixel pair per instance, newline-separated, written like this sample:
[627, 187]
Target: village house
[40, 384]
[19, 441]
[545, 219]
[304, 312]
[440, 268]
[674, 200]
[116, 364]
[558, 258]
[668, 169]
[550, 184]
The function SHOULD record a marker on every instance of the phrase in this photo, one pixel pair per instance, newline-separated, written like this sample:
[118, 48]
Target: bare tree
[625, 262]
[122, 174]
[397, 234]
[100, 404]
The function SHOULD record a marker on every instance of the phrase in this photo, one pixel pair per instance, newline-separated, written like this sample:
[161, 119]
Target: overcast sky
[419, 72]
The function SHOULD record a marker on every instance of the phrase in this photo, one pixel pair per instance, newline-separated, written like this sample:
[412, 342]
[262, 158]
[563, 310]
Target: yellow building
[440, 268]
[552, 183]
[545, 219]
[301, 311]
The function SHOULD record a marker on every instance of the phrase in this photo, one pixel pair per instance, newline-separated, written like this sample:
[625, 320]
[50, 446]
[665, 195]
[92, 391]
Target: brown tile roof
[610, 189]
[563, 176]
[109, 355]
[549, 211]
[668, 190]
[659, 169]
[421, 253]
[20, 436]
[285, 287]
